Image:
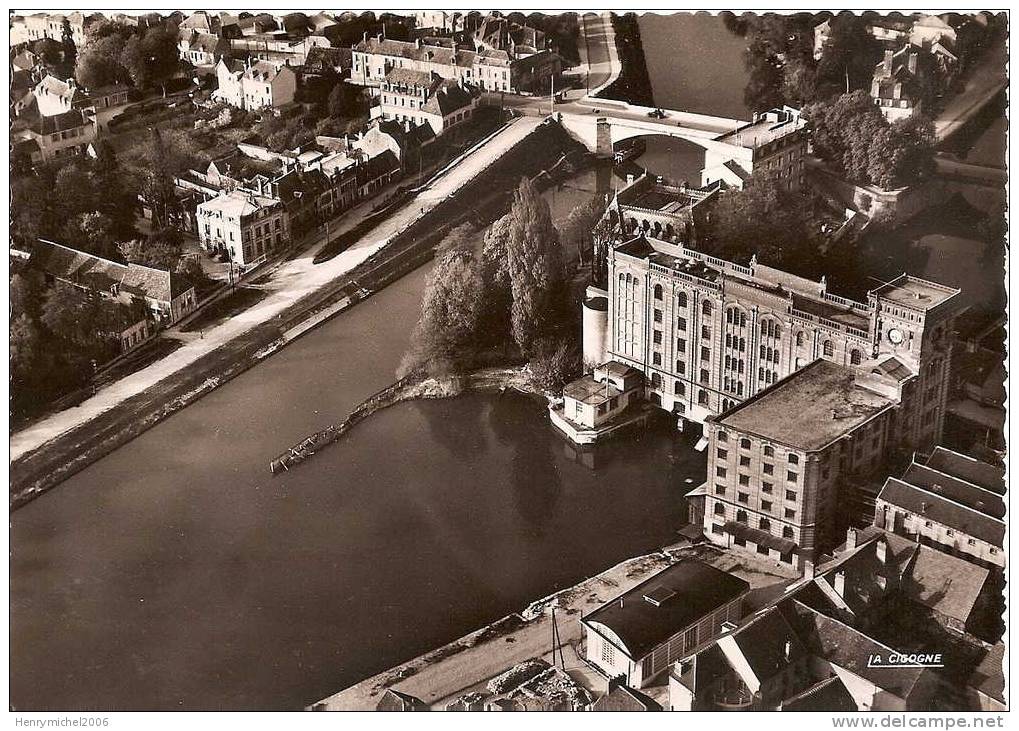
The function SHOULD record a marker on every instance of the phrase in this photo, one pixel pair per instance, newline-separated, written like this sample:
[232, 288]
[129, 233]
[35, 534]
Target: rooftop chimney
[787, 650]
[840, 584]
[888, 61]
[881, 549]
[851, 539]
[911, 62]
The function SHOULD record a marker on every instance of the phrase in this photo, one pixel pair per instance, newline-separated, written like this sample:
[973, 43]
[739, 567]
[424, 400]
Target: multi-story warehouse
[814, 390]
[780, 464]
[709, 334]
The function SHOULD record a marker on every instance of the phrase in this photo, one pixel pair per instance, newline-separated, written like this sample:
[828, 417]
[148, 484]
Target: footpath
[291, 283]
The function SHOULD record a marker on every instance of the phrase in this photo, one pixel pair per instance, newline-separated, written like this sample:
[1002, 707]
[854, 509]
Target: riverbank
[305, 291]
[633, 83]
[466, 664]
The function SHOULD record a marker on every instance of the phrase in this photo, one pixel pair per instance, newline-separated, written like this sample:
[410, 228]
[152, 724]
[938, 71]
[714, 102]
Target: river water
[177, 573]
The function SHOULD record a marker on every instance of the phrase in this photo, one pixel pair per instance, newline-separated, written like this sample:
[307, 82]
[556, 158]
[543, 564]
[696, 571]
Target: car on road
[657, 113]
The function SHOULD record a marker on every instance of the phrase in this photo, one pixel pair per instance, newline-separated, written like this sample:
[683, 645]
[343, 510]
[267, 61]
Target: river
[177, 573]
[695, 65]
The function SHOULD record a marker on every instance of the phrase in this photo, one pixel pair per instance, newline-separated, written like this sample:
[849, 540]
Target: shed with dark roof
[639, 633]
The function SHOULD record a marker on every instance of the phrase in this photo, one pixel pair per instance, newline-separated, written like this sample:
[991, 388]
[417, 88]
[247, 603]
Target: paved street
[290, 282]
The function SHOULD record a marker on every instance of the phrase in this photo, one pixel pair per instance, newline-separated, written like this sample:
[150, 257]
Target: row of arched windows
[764, 523]
[735, 317]
[731, 341]
[770, 329]
[769, 354]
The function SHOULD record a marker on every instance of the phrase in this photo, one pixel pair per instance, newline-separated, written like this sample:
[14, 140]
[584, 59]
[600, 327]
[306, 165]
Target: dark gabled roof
[969, 469]
[829, 695]
[447, 99]
[409, 76]
[94, 272]
[382, 164]
[320, 57]
[694, 591]
[849, 649]
[764, 641]
[60, 122]
[989, 676]
[953, 488]
[942, 583]
[625, 698]
[932, 506]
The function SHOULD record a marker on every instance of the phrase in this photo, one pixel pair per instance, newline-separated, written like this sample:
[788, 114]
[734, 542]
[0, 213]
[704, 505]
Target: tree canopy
[854, 138]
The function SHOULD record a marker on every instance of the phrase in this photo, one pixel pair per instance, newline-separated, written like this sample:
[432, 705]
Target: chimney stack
[851, 539]
[840, 584]
[808, 569]
[881, 549]
[888, 61]
[787, 650]
[911, 62]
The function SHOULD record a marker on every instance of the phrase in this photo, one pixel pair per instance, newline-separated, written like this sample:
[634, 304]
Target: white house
[255, 85]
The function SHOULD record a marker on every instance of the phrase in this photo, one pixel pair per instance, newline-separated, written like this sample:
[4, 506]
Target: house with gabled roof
[201, 49]
[424, 98]
[255, 85]
[167, 295]
[940, 500]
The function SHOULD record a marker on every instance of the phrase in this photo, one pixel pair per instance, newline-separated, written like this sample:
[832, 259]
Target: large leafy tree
[446, 336]
[70, 51]
[536, 269]
[849, 55]
[162, 250]
[854, 138]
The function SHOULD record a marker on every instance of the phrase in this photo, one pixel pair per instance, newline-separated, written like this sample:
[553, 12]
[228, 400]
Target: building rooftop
[625, 698]
[588, 391]
[94, 272]
[987, 476]
[850, 649]
[60, 122]
[238, 203]
[809, 408]
[935, 507]
[830, 311]
[915, 293]
[953, 488]
[941, 582]
[989, 676]
[829, 695]
[766, 127]
[671, 600]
